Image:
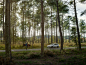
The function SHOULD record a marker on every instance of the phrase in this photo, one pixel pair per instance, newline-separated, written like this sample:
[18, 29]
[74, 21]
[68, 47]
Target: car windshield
[55, 44]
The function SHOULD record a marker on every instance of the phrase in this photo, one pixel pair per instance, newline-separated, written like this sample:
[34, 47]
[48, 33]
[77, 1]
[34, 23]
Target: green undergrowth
[75, 60]
[51, 57]
[37, 54]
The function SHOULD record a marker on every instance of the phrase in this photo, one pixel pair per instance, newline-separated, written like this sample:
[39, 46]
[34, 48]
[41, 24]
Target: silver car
[53, 45]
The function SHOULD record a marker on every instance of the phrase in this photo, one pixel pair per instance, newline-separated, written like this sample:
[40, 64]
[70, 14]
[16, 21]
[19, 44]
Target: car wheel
[57, 46]
[51, 46]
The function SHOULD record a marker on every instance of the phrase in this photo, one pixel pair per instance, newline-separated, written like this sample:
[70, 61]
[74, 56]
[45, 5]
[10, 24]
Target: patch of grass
[25, 62]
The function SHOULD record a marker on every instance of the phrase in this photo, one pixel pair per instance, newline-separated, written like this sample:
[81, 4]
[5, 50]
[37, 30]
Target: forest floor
[55, 57]
[51, 57]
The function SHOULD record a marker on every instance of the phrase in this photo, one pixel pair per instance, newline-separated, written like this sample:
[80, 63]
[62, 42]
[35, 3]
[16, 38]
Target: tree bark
[48, 37]
[51, 25]
[23, 27]
[3, 23]
[42, 30]
[79, 43]
[56, 29]
[54, 35]
[7, 30]
[13, 34]
[62, 28]
[59, 27]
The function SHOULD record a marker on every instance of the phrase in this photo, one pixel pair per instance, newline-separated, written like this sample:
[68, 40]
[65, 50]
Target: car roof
[54, 43]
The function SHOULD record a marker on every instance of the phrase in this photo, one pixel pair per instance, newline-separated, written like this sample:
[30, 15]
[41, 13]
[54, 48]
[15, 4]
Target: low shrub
[34, 55]
[49, 53]
[19, 56]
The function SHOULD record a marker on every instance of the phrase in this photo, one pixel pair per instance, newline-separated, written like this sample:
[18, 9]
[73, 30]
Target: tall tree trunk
[84, 36]
[15, 26]
[66, 37]
[23, 27]
[62, 28]
[42, 30]
[13, 34]
[45, 36]
[7, 30]
[3, 23]
[48, 37]
[11, 5]
[33, 25]
[37, 35]
[69, 32]
[69, 36]
[1, 36]
[29, 33]
[59, 27]
[56, 29]
[51, 25]
[79, 43]
[34, 33]
[54, 35]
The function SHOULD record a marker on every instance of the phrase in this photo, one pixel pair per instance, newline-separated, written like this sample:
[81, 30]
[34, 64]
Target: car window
[55, 44]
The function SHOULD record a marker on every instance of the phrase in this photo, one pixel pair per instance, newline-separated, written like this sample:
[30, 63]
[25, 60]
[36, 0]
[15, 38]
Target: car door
[54, 45]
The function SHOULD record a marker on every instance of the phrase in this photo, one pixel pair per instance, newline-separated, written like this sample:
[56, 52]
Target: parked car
[53, 45]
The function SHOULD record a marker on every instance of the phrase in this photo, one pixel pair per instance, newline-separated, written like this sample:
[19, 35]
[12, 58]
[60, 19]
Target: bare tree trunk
[54, 35]
[69, 32]
[1, 31]
[1, 36]
[23, 28]
[13, 34]
[37, 35]
[34, 36]
[3, 23]
[15, 26]
[51, 25]
[84, 36]
[7, 30]
[29, 33]
[56, 29]
[42, 30]
[48, 37]
[59, 27]
[62, 28]
[79, 43]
